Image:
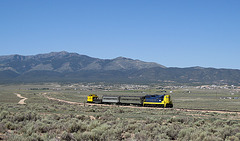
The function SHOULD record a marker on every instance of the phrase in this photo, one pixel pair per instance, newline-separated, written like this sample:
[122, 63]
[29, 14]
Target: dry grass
[43, 119]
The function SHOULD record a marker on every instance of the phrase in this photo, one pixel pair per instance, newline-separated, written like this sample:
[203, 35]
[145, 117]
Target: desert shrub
[2, 128]
[185, 134]
[162, 129]
[85, 136]
[161, 137]
[156, 131]
[154, 120]
[150, 127]
[202, 135]
[171, 120]
[91, 110]
[199, 122]
[235, 130]
[238, 135]
[212, 138]
[34, 137]
[181, 119]
[212, 130]
[231, 122]
[77, 126]
[74, 127]
[172, 134]
[3, 114]
[28, 129]
[219, 123]
[107, 117]
[82, 117]
[226, 132]
[108, 113]
[93, 124]
[131, 127]
[120, 111]
[78, 136]
[67, 136]
[71, 115]
[41, 127]
[115, 132]
[98, 131]
[46, 120]
[98, 116]
[56, 117]
[49, 137]
[11, 126]
[83, 126]
[199, 135]
[32, 116]
[16, 137]
[126, 135]
[18, 117]
[142, 136]
[177, 119]
[232, 138]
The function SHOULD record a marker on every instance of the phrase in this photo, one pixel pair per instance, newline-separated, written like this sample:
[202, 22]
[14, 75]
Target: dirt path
[209, 111]
[60, 100]
[186, 110]
[22, 101]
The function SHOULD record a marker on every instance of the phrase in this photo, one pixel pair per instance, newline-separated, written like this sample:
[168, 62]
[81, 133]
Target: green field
[43, 119]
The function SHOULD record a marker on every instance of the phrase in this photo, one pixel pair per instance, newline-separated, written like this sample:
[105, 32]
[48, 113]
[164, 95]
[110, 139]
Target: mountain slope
[72, 67]
[68, 62]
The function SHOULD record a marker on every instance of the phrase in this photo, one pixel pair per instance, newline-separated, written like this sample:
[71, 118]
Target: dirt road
[60, 100]
[22, 101]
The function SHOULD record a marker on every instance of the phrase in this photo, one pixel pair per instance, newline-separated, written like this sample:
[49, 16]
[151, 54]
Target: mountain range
[72, 67]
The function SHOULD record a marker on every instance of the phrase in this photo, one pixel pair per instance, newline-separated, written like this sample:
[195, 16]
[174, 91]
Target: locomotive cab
[91, 98]
[167, 101]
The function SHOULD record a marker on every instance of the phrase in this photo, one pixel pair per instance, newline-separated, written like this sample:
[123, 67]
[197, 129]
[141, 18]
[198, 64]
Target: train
[163, 101]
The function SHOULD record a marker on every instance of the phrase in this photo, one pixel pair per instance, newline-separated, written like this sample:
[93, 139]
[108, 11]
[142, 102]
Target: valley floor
[63, 115]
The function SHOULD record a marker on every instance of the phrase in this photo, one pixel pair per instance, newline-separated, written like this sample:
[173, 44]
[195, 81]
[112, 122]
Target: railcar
[147, 100]
[135, 100]
[111, 99]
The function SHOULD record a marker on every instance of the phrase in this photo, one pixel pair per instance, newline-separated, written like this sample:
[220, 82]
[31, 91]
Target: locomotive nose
[167, 99]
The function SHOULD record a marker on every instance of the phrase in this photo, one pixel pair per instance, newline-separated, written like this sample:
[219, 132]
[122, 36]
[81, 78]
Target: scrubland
[43, 119]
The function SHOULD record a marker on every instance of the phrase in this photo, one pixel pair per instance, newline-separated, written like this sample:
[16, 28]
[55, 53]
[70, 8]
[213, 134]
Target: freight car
[111, 99]
[134, 100]
[147, 100]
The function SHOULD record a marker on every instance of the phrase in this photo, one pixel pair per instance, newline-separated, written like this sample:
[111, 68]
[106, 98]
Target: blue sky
[174, 33]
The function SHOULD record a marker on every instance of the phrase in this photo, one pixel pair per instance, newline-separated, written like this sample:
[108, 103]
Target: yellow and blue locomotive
[158, 101]
[147, 100]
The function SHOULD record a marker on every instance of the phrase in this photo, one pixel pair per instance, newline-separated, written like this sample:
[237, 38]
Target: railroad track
[178, 109]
